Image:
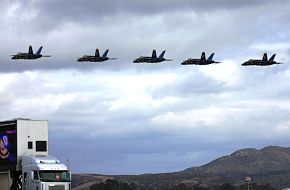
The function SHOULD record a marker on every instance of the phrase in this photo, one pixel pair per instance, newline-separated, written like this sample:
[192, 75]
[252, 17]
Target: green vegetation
[112, 184]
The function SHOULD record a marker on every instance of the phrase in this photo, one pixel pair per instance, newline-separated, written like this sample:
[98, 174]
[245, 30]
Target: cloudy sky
[123, 118]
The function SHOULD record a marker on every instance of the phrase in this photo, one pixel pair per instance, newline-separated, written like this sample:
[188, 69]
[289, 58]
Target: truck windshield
[54, 176]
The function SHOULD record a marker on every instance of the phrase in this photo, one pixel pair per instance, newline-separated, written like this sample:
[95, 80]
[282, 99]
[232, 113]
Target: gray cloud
[137, 138]
[120, 117]
[89, 10]
[191, 146]
[69, 29]
[191, 83]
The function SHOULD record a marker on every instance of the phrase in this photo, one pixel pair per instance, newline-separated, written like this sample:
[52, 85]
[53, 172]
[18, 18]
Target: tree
[262, 186]
[112, 184]
[124, 186]
[98, 186]
[226, 186]
[180, 186]
[133, 186]
[198, 187]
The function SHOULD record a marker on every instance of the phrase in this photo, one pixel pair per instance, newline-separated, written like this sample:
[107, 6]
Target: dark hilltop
[270, 165]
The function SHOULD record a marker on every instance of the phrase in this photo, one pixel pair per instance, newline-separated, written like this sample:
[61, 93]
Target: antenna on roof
[67, 163]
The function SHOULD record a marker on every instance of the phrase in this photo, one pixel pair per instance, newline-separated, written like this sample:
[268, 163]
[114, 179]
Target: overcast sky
[123, 118]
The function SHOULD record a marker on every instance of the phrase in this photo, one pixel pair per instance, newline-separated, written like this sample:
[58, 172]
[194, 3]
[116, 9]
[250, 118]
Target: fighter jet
[152, 59]
[30, 54]
[96, 57]
[263, 62]
[201, 61]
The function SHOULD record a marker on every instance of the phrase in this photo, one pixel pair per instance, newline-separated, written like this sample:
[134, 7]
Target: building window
[41, 146]
[30, 145]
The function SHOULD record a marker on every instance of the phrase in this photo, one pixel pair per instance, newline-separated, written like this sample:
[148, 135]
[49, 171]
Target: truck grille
[56, 187]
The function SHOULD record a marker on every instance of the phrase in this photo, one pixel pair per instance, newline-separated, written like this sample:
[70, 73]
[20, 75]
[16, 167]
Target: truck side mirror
[24, 177]
[34, 175]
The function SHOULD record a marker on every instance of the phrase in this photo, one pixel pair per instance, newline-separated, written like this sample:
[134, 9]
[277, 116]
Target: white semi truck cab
[24, 160]
[44, 173]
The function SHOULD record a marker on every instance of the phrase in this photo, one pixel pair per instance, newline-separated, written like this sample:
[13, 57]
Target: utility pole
[248, 183]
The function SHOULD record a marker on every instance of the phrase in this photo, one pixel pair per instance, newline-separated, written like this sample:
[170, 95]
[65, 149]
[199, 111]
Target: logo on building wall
[4, 145]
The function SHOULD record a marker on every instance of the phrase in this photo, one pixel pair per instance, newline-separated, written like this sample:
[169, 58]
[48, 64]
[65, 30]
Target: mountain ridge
[270, 164]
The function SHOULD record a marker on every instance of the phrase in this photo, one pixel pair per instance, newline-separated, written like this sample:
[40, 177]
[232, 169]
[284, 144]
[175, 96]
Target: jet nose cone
[244, 64]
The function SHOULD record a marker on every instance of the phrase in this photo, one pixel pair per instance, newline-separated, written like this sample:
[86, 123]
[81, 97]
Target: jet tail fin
[210, 57]
[272, 57]
[105, 53]
[162, 54]
[154, 55]
[265, 57]
[202, 56]
[30, 51]
[97, 53]
[39, 50]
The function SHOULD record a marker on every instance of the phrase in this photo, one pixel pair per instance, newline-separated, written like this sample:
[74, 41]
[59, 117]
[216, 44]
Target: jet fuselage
[201, 61]
[144, 59]
[96, 57]
[30, 55]
[261, 62]
[87, 58]
[26, 56]
[198, 62]
[257, 62]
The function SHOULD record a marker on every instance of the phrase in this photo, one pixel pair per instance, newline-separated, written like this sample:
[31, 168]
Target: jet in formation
[152, 59]
[30, 54]
[263, 62]
[201, 61]
[96, 57]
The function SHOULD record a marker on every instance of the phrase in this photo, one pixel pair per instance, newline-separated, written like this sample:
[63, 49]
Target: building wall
[27, 131]
[31, 131]
[4, 181]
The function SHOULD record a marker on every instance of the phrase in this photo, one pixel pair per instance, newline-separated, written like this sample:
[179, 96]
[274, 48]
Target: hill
[268, 165]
